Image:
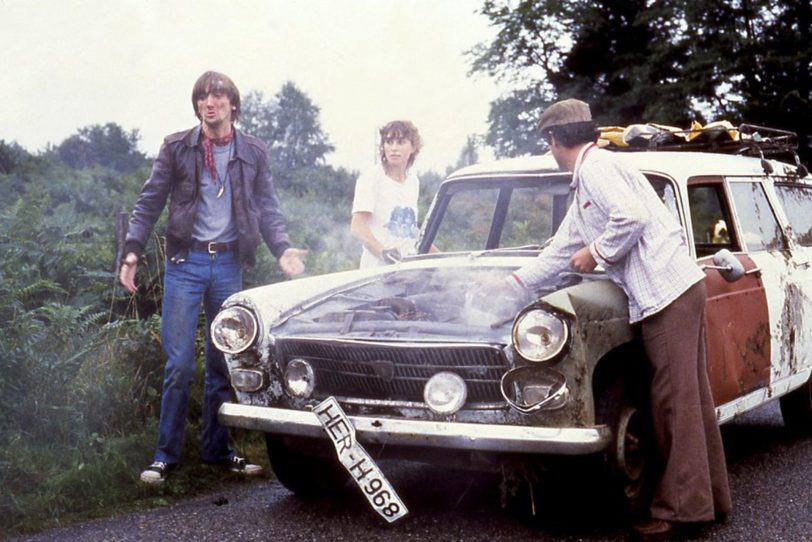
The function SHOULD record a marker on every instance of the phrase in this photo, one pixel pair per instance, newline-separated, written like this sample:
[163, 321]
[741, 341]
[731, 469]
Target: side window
[760, 229]
[797, 202]
[710, 219]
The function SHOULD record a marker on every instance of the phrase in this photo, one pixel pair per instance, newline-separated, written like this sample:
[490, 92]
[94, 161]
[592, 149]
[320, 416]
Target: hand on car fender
[391, 255]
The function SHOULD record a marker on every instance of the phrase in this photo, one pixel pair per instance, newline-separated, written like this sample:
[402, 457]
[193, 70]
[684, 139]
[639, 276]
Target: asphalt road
[770, 475]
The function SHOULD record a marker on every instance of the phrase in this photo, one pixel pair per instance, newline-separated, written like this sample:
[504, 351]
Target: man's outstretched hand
[290, 262]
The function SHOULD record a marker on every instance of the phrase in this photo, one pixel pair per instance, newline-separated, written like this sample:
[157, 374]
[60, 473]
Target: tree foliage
[665, 61]
[469, 153]
[298, 138]
[108, 146]
[56, 251]
[290, 127]
[11, 156]
[257, 116]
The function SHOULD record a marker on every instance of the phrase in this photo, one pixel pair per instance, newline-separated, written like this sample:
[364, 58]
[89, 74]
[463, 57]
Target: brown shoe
[653, 529]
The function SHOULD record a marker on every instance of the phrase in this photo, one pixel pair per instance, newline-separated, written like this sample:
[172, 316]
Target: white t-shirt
[394, 211]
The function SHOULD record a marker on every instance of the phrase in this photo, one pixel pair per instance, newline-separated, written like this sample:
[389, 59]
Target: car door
[737, 317]
[795, 199]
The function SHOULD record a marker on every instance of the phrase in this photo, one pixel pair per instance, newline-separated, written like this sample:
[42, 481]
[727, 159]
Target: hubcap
[631, 446]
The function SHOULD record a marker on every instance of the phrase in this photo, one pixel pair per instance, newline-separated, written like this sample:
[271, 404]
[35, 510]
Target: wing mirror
[729, 266]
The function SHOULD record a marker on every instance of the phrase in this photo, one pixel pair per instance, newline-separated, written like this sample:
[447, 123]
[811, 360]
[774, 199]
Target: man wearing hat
[618, 221]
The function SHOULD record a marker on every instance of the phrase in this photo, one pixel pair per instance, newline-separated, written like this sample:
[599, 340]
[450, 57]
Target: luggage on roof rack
[719, 136]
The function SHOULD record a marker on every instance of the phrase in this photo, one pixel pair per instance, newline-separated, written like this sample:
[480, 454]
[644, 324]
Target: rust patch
[759, 342]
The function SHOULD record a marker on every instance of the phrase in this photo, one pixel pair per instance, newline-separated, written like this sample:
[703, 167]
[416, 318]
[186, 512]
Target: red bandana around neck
[208, 152]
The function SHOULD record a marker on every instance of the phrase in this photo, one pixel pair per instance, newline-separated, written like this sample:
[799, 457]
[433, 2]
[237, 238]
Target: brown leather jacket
[176, 175]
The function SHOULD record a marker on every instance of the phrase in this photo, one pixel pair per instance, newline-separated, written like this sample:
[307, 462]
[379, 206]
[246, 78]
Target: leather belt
[213, 248]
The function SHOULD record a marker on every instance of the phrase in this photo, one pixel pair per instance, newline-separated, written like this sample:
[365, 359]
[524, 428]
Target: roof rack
[719, 137]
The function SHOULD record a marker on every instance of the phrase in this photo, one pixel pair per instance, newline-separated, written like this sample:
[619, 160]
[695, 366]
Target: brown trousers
[694, 485]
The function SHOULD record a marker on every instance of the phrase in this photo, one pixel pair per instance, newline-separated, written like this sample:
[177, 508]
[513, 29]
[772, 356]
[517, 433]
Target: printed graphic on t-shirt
[402, 222]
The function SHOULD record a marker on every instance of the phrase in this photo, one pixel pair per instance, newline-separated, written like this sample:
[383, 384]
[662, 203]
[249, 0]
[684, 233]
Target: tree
[298, 137]
[512, 121]
[469, 154]
[771, 79]
[257, 116]
[290, 127]
[108, 146]
[11, 156]
[650, 61]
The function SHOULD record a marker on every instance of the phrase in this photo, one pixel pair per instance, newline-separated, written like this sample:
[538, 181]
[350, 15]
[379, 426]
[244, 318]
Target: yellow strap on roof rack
[713, 130]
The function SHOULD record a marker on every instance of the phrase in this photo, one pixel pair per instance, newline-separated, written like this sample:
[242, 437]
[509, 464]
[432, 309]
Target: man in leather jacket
[221, 200]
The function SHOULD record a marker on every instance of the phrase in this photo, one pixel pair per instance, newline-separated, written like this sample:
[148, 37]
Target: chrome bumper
[449, 435]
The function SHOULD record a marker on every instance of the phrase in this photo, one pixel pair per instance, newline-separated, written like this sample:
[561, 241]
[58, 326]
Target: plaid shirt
[629, 231]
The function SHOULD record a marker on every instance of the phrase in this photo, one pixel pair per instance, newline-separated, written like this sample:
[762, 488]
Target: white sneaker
[156, 473]
[242, 466]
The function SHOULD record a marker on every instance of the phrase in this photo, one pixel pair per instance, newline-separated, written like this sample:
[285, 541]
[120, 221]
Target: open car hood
[429, 304]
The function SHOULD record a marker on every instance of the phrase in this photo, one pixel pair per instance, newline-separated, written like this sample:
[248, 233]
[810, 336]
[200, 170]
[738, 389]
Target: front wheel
[305, 467]
[796, 409]
[632, 457]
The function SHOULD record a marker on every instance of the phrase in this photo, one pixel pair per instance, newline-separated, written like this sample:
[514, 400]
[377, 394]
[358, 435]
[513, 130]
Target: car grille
[397, 372]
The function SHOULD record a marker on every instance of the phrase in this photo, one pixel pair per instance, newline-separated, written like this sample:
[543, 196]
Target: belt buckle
[209, 247]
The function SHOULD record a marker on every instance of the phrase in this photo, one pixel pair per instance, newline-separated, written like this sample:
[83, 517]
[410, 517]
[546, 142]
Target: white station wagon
[404, 361]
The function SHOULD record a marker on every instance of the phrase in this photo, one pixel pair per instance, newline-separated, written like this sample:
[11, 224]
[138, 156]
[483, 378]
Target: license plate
[380, 494]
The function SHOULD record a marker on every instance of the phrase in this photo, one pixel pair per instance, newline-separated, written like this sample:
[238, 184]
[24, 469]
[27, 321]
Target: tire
[632, 457]
[796, 409]
[620, 480]
[305, 474]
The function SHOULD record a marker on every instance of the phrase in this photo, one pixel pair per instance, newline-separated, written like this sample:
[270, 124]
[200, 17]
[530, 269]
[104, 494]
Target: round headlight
[445, 393]
[300, 380]
[539, 335]
[234, 330]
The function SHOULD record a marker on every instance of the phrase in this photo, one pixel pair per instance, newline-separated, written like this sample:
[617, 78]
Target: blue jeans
[208, 279]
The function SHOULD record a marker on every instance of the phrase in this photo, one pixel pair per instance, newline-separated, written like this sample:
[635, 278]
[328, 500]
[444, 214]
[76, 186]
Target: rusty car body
[424, 370]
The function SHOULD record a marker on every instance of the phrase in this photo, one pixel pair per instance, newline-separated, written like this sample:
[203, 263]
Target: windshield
[506, 212]
[488, 214]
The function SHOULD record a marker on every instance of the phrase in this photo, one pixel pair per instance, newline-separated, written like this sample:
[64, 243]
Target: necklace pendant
[220, 191]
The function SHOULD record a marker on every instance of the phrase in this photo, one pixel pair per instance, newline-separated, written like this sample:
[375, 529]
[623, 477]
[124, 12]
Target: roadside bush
[77, 444]
[87, 407]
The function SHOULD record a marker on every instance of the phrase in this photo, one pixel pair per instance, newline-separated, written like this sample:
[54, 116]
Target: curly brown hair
[401, 129]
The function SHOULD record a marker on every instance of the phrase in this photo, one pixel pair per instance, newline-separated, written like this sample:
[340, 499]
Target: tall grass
[74, 447]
